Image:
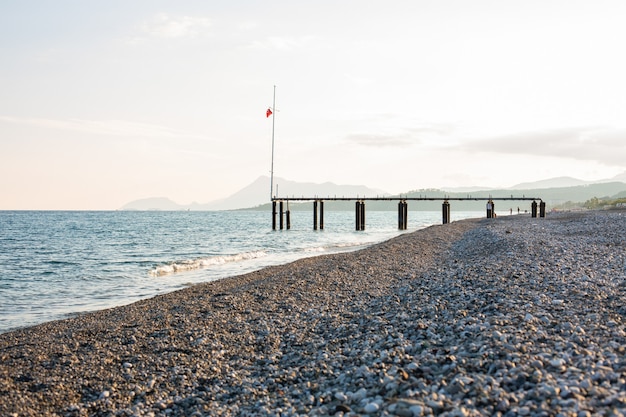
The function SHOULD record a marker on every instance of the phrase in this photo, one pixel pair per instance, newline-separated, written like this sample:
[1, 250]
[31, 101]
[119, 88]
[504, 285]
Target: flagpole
[272, 167]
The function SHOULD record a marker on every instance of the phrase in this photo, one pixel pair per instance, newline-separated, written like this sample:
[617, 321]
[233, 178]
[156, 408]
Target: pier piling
[360, 215]
[318, 208]
[273, 215]
[445, 211]
[402, 215]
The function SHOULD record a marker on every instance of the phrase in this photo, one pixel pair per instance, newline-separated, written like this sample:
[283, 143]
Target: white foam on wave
[338, 246]
[201, 263]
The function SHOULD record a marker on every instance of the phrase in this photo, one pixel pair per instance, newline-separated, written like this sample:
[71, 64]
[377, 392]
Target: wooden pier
[318, 208]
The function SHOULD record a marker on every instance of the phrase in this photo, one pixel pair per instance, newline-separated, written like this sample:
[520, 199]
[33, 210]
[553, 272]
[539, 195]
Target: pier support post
[445, 211]
[273, 215]
[281, 215]
[315, 215]
[406, 215]
[402, 215]
[321, 214]
[542, 209]
[288, 217]
[360, 215]
[533, 209]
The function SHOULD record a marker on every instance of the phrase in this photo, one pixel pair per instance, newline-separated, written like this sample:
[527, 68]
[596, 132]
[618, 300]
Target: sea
[57, 264]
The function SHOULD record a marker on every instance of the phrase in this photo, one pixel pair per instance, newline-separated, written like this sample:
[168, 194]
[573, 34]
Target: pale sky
[105, 102]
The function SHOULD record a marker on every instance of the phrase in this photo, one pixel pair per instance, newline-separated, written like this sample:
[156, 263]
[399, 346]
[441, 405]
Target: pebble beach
[483, 317]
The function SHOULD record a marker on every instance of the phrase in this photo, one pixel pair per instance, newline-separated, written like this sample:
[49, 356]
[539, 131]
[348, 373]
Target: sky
[103, 103]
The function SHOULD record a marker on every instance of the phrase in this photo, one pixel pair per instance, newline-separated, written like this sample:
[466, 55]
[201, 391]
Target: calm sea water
[54, 264]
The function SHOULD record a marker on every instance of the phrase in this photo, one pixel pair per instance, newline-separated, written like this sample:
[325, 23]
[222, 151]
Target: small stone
[417, 410]
[460, 412]
[371, 408]
[437, 406]
[503, 405]
[557, 362]
[359, 395]
[340, 396]
[402, 412]
[412, 366]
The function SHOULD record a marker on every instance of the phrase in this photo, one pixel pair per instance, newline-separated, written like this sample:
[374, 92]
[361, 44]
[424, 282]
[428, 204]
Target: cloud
[283, 43]
[359, 80]
[603, 145]
[422, 134]
[166, 26]
[380, 141]
[103, 127]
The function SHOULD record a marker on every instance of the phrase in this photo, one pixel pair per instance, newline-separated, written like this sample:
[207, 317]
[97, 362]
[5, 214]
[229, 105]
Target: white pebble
[341, 396]
[557, 362]
[371, 408]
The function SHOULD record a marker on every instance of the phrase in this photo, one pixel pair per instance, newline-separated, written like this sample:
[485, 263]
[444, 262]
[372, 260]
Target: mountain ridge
[257, 193]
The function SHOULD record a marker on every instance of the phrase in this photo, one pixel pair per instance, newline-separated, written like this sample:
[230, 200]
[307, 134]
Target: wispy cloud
[283, 42]
[422, 134]
[358, 80]
[380, 141]
[603, 145]
[166, 26]
[103, 127]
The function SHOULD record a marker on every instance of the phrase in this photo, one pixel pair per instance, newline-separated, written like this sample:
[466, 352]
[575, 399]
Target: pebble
[371, 408]
[507, 316]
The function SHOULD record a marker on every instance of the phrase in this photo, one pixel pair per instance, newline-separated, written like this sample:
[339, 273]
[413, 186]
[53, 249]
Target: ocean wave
[338, 246]
[194, 264]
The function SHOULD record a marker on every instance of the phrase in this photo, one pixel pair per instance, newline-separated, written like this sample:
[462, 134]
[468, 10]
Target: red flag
[268, 113]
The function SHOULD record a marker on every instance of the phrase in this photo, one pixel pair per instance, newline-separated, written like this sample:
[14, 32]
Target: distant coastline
[553, 197]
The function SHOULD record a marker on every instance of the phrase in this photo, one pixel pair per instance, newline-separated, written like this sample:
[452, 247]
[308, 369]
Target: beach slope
[507, 316]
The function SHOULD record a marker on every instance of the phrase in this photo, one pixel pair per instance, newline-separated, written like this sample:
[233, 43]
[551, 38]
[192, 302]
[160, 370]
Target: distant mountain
[620, 177]
[560, 182]
[553, 191]
[258, 193]
[151, 204]
[551, 196]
